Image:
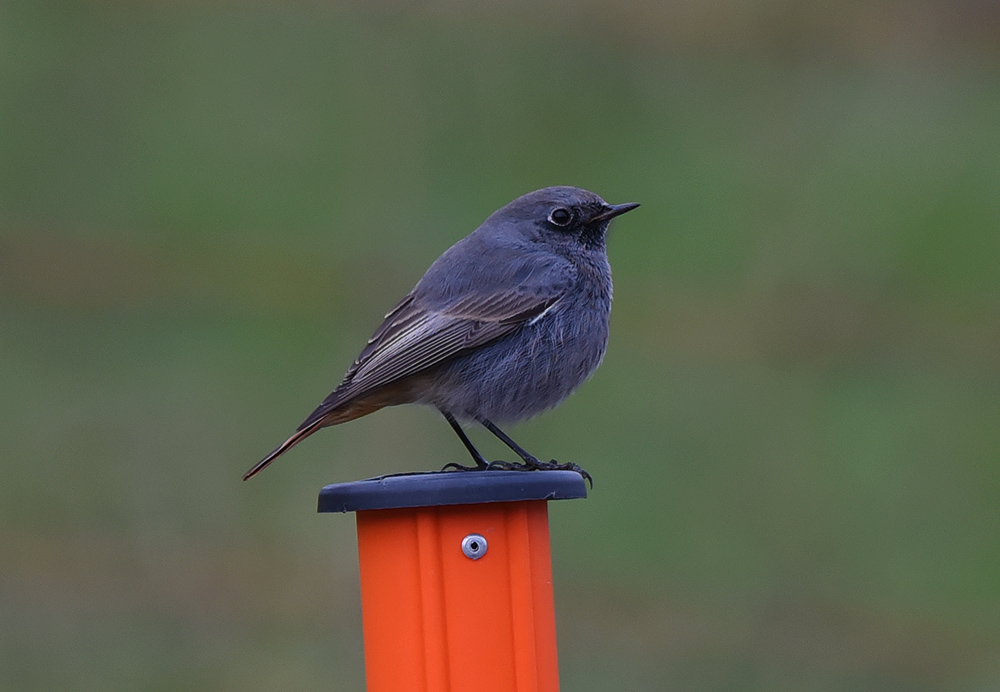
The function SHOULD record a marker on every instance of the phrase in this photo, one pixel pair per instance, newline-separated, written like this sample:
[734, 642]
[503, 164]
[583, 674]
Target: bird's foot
[452, 466]
[531, 464]
[499, 465]
[553, 465]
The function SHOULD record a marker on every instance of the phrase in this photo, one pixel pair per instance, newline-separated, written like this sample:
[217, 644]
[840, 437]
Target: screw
[474, 546]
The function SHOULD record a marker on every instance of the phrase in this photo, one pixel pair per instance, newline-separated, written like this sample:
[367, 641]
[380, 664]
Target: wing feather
[414, 337]
[457, 306]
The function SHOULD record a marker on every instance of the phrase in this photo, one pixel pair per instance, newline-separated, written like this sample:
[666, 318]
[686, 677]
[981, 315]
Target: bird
[505, 324]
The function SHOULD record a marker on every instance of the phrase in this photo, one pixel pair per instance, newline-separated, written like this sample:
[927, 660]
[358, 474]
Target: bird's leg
[481, 463]
[532, 463]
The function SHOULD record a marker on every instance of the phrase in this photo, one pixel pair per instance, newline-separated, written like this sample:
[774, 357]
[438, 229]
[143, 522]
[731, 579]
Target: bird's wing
[424, 330]
[419, 337]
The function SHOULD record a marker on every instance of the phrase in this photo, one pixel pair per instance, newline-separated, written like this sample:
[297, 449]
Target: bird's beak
[610, 211]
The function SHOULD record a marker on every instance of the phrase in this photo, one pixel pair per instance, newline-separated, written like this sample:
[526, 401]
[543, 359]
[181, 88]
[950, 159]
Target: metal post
[456, 578]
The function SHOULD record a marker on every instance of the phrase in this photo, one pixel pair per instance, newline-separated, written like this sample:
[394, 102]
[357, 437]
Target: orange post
[456, 579]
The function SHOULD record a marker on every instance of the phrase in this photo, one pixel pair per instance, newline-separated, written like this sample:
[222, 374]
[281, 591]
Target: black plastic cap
[451, 488]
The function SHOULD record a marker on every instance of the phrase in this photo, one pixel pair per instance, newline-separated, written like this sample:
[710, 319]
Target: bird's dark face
[566, 216]
[585, 222]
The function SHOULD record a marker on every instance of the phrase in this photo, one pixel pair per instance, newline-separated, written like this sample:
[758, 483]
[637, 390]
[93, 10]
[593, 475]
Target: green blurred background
[205, 208]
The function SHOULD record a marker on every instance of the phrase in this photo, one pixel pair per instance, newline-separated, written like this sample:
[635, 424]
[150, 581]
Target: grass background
[206, 207]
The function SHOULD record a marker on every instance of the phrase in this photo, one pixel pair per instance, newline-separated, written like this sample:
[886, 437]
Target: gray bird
[505, 324]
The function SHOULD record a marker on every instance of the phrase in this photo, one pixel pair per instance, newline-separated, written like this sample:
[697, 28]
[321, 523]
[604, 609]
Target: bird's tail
[330, 412]
[284, 447]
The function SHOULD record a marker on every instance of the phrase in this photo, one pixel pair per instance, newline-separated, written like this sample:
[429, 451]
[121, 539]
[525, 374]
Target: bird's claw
[501, 465]
[528, 465]
[553, 465]
[452, 466]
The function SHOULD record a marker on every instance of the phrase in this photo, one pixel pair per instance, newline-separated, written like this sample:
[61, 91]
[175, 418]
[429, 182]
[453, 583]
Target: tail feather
[283, 447]
[321, 418]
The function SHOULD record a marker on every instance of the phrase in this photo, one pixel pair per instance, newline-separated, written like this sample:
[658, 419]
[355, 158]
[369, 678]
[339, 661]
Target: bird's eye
[560, 216]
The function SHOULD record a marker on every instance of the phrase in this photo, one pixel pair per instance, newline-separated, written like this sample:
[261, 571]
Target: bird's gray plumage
[503, 325]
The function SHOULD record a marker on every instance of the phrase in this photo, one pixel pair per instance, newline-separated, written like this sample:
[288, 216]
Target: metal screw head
[474, 546]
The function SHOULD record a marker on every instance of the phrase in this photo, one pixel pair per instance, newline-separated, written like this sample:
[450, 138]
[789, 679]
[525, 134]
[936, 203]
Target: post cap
[451, 488]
